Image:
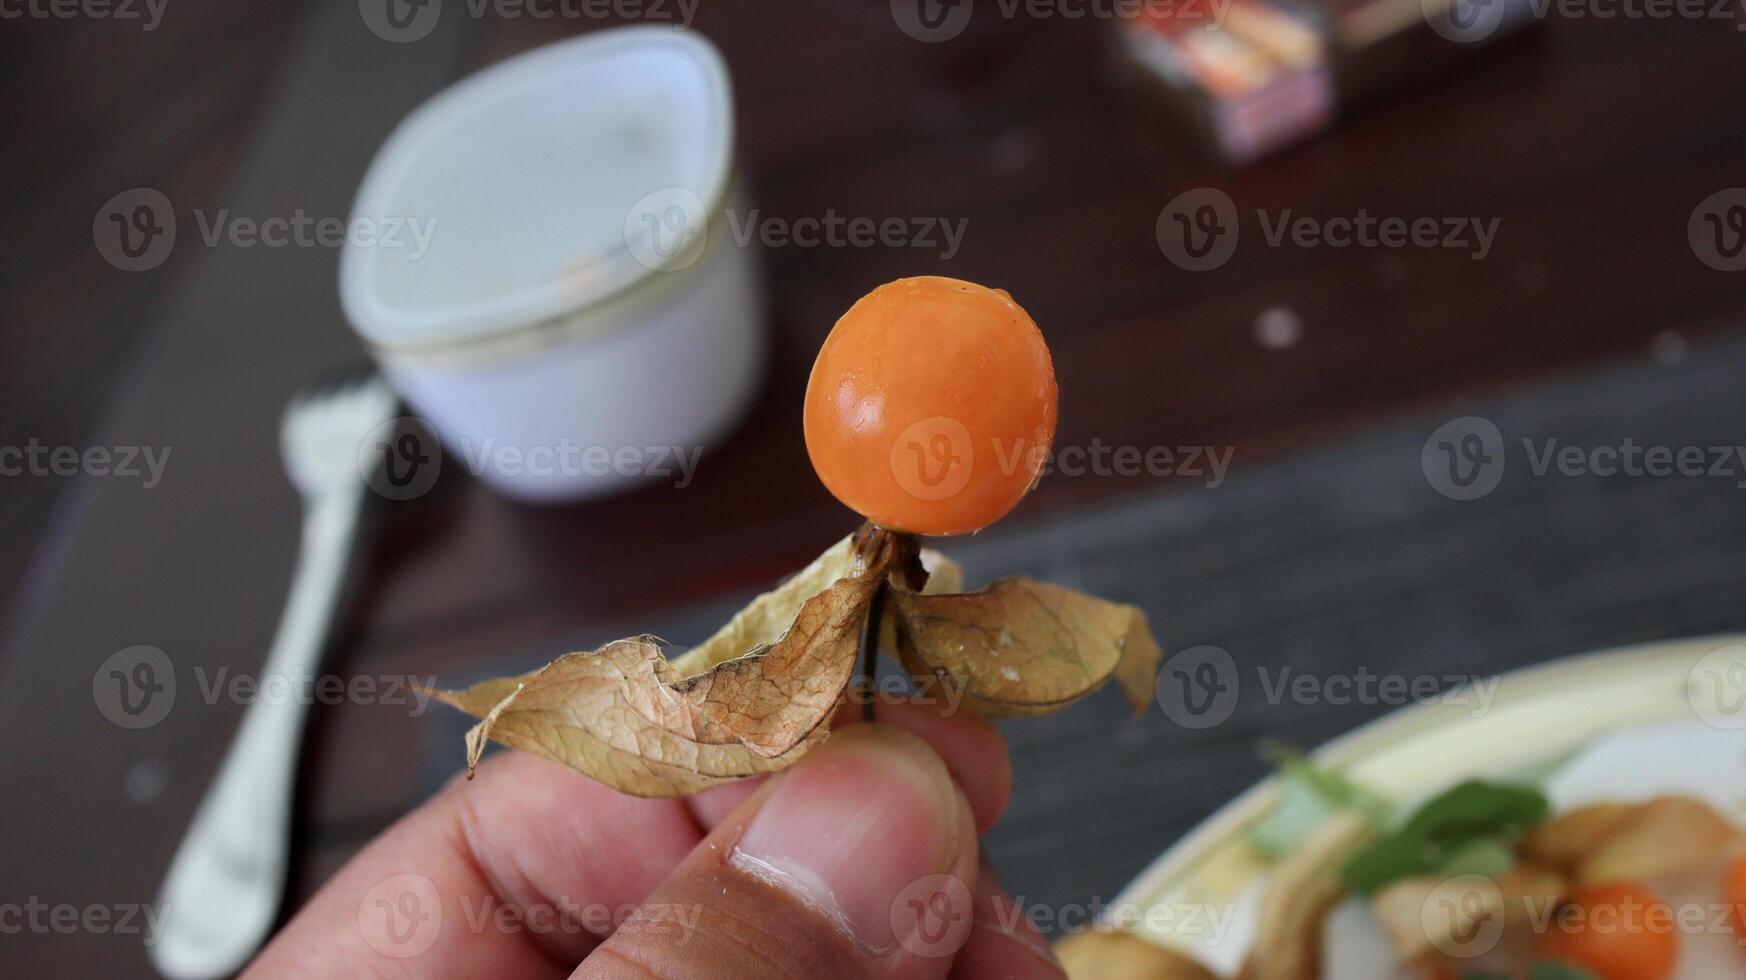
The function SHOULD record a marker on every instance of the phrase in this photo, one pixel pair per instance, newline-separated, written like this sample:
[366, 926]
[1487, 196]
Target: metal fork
[224, 887]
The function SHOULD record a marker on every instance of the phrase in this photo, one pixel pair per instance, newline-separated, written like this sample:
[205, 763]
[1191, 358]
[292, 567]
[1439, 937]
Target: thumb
[859, 861]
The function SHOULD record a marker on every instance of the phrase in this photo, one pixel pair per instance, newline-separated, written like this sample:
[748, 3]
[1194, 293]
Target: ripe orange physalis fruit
[931, 407]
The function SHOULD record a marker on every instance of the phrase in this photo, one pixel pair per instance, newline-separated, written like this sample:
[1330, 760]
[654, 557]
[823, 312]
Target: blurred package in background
[1244, 78]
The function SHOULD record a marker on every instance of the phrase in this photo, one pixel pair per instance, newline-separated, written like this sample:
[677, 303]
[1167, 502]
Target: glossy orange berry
[931, 407]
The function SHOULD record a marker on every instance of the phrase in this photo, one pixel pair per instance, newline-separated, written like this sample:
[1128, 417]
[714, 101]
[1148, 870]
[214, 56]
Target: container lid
[540, 186]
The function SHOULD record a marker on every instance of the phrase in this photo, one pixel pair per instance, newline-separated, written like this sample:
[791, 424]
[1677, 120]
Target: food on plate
[930, 411]
[1115, 955]
[1662, 836]
[1306, 885]
[1484, 882]
[1621, 931]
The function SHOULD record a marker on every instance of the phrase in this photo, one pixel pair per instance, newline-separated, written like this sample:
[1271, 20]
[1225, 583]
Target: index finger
[528, 867]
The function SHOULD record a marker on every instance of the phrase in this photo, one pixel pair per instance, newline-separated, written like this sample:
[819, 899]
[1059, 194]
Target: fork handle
[223, 890]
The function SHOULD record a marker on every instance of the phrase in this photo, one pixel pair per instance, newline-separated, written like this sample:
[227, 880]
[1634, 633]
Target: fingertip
[973, 750]
[858, 861]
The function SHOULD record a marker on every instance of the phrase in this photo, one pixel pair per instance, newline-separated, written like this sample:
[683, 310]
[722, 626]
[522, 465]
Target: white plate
[1650, 719]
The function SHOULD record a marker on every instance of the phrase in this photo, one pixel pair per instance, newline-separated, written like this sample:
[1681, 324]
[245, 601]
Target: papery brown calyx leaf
[766, 618]
[1023, 647]
[751, 699]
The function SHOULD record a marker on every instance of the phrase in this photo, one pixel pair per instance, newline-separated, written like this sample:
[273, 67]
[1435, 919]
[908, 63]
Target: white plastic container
[550, 281]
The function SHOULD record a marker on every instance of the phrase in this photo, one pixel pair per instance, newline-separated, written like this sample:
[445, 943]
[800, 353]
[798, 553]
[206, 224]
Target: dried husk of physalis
[1023, 647]
[754, 697]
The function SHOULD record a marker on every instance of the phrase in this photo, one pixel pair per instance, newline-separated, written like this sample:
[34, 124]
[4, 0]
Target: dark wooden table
[1592, 147]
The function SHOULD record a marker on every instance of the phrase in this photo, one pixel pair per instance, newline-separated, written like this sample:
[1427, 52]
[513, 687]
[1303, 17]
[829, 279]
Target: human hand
[859, 861]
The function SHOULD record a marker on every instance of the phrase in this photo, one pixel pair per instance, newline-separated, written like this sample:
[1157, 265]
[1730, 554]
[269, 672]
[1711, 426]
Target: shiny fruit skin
[931, 407]
[1620, 931]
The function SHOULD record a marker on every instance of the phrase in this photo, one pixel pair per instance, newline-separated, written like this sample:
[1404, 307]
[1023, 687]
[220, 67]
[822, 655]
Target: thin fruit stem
[870, 652]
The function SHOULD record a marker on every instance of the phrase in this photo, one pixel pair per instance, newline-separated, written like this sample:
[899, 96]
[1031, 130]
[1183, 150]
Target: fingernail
[852, 825]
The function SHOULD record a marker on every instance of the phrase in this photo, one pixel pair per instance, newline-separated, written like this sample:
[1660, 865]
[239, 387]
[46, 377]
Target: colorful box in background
[1249, 77]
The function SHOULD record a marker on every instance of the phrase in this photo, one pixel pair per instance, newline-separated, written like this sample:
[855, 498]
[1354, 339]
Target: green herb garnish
[1308, 795]
[1469, 829]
